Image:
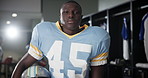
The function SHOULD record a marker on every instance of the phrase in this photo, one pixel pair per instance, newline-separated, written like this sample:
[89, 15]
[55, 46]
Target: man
[72, 51]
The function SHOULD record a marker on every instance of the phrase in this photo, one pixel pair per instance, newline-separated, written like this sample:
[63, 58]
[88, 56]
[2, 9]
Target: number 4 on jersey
[55, 62]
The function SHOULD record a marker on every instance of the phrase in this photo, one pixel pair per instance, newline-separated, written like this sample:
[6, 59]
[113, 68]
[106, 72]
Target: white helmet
[36, 72]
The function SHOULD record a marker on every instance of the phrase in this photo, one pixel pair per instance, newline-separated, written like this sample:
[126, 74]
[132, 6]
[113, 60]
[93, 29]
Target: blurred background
[18, 18]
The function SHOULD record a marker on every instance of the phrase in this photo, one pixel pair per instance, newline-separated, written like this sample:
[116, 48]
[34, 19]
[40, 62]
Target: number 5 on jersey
[55, 62]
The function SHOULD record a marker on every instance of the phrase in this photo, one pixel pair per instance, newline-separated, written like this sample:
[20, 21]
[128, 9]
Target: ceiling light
[14, 14]
[12, 32]
[8, 22]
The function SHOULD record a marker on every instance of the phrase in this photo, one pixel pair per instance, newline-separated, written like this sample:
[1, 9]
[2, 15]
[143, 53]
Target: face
[70, 16]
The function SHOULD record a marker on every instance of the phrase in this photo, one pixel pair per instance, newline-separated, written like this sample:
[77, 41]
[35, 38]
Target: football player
[73, 51]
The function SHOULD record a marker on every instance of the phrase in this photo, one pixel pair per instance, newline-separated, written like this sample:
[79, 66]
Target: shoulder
[44, 27]
[98, 34]
[95, 28]
[44, 24]
[98, 31]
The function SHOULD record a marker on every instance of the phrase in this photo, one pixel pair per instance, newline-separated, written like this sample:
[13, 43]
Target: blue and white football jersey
[69, 56]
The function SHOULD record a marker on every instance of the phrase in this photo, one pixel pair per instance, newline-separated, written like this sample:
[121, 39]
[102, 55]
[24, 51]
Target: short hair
[72, 1]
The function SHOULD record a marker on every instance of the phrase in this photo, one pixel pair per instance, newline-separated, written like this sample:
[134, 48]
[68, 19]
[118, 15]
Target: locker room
[125, 21]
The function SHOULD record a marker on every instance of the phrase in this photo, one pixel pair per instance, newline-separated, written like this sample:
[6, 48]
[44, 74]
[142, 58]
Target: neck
[71, 32]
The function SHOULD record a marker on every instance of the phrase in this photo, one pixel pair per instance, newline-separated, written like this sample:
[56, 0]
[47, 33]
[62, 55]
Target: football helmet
[36, 72]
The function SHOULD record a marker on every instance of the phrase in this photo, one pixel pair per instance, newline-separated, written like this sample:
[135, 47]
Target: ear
[81, 16]
[60, 14]
[59, 17]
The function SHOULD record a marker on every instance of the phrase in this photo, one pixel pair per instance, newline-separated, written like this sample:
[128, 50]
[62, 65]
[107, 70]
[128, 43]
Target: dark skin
[70, 16]
[70, 19]
[23, 64]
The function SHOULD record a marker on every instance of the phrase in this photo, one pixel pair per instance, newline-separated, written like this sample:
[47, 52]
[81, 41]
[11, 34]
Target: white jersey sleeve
[101, 50]
[34, 50]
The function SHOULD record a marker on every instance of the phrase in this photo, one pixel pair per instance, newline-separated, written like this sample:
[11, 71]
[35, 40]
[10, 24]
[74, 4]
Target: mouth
[71, 21]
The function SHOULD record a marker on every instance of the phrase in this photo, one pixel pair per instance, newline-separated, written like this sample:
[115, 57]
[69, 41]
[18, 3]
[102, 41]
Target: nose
[71, 15]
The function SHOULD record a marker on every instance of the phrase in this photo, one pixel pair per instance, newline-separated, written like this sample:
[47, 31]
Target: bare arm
[23, 64]
[97, 72]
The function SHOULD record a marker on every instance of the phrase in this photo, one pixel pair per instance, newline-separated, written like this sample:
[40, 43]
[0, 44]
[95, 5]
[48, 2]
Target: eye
[76, 12]
[65, 12]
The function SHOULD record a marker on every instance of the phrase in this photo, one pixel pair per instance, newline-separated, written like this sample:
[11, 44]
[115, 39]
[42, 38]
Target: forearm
[97, 72]
[18, 70]
[22, 65]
